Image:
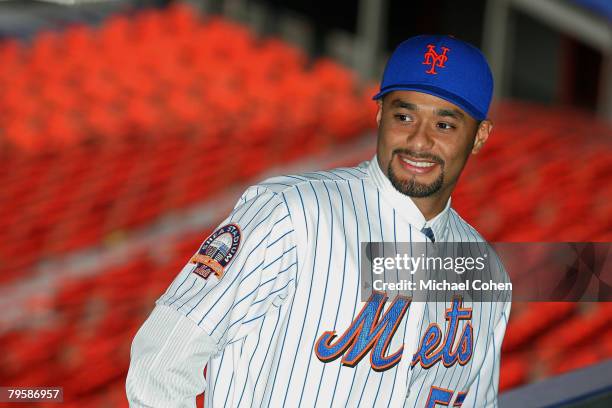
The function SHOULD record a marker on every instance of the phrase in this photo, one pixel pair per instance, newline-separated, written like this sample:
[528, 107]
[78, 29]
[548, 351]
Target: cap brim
[440, 93]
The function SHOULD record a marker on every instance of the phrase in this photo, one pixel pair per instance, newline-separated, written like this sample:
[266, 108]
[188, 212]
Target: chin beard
[411, 188]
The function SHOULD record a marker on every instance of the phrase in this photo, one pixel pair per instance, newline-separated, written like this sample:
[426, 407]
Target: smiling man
[271, 300]
[430, 120]
[424, 143]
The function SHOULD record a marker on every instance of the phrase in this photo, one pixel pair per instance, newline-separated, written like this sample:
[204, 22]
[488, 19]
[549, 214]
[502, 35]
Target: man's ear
[379, 113]
[482, 134]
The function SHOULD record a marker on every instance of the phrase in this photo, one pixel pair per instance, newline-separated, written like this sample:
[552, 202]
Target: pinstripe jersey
[296, 276]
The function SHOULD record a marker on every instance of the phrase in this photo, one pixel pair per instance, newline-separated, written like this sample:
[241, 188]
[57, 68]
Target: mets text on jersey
[371, 332]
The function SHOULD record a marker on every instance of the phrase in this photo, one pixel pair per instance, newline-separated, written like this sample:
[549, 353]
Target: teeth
[418, 164]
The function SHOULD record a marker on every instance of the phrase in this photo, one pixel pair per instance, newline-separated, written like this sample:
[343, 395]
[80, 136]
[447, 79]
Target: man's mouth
[417, 166]
[417, 163]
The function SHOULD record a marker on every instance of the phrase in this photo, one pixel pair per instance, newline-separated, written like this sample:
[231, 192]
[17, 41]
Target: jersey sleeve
[167, 358]
[246, 267]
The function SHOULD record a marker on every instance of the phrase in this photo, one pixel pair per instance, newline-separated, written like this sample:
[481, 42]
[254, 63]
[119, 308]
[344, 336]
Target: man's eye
[402, 118]
[445, 126]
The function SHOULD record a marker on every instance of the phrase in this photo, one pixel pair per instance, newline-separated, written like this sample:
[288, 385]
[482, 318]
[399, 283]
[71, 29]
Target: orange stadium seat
[515, 372]
[534, 321]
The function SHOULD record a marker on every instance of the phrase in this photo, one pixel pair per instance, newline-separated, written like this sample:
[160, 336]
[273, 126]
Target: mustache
[419, 155]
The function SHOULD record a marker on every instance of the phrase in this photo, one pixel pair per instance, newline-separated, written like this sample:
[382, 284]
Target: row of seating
[540, 177]
[548, 339]
[105, 129]
[79, 334]
[163, 72]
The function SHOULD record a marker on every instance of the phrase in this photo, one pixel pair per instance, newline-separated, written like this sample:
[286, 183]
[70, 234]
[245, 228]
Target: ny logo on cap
[434, 59]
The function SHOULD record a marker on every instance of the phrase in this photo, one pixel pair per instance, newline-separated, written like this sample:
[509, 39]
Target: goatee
[411, 187]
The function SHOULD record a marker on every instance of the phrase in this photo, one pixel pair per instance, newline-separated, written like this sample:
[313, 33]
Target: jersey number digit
[443, 396]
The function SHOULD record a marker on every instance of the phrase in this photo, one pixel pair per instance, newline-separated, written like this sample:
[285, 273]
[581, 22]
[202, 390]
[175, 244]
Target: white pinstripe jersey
[296, 276]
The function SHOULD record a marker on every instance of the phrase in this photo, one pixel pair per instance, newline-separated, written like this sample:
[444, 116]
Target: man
[271, 301]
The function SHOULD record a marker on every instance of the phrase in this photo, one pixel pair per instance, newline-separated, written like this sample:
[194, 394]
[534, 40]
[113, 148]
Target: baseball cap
[442, 66]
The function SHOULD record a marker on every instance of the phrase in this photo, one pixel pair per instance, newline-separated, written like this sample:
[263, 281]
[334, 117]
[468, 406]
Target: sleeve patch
[217, 251]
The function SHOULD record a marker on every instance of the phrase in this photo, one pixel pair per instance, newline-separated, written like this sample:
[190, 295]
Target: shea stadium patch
[217, 251]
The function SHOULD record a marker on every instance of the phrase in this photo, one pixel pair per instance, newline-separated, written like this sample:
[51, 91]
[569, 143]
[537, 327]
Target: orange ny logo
[434, 59]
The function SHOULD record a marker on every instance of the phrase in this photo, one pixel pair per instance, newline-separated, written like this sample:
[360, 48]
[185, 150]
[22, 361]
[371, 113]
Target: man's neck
[431, 206]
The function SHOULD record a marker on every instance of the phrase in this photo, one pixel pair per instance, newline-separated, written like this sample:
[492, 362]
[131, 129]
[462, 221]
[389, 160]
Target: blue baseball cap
[442, 66]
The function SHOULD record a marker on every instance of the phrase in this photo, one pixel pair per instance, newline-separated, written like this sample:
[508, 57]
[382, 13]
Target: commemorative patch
[217, 251]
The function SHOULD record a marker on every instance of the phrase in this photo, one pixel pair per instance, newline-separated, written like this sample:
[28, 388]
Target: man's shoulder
[461, 230]
[285, 183]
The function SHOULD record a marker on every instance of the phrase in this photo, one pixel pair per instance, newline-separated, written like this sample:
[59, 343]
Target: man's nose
[420, 139]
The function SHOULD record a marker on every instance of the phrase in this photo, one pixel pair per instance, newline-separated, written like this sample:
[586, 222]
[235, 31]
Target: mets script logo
[434, 59]
[217, 251]
[371, 332]
[367, 332]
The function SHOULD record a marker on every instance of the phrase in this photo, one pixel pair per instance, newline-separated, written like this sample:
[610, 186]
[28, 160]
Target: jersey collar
[406, 208]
